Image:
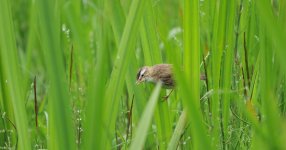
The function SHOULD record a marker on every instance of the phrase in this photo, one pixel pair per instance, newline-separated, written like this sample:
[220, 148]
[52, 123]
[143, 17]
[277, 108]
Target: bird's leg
[166, 97]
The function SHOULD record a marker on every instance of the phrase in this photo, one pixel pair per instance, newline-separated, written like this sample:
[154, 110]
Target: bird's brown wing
[163, 72]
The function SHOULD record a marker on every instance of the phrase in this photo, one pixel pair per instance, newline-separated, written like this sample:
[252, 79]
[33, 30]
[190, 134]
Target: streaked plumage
[156, 73]
[159, 72]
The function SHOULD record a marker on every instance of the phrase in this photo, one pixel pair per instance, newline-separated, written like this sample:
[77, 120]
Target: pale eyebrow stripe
[142, 72]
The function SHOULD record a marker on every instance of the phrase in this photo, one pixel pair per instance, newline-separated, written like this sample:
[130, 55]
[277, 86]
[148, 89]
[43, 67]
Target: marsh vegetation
[68, 72]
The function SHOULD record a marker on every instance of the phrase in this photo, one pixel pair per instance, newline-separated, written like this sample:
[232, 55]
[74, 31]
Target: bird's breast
[152, 80]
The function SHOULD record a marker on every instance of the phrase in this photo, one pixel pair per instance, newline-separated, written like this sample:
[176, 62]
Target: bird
[157, 73]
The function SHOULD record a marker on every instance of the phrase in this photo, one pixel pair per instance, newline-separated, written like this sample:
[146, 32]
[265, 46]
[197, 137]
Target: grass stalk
[60, 121]
[11, 83]
[146, 119]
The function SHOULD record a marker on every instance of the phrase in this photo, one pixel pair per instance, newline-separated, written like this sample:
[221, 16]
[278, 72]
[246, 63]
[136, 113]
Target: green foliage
[84, 57]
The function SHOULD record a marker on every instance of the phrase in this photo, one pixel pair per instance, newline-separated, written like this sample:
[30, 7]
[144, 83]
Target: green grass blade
[94, 124]
[217, 47]
[11, 82]
[60, 120]
[278, 33]
[145, 121]
[123, 58]
[227, 66]
[179, 130]
[117, 20]
[190, 81]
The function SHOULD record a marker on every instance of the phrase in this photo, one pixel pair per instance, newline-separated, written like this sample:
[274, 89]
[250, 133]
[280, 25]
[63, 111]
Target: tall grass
[59, 119]
[12, 104]
[71, 67]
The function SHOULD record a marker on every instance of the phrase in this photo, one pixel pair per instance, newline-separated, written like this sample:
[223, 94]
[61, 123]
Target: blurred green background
[68, 71]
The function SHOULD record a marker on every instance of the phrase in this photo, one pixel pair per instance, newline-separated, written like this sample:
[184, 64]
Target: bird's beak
[138, 82]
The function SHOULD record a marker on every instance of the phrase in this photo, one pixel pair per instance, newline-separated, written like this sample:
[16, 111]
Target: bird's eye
[142, 75]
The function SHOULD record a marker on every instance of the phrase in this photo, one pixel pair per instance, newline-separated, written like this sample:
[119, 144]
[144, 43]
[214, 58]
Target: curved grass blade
[11, 82]
[189, 82]
[145, 121]
[123, 58]
[179, 130]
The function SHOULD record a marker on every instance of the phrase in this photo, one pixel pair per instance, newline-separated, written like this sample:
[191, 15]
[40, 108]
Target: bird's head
[143, 74]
